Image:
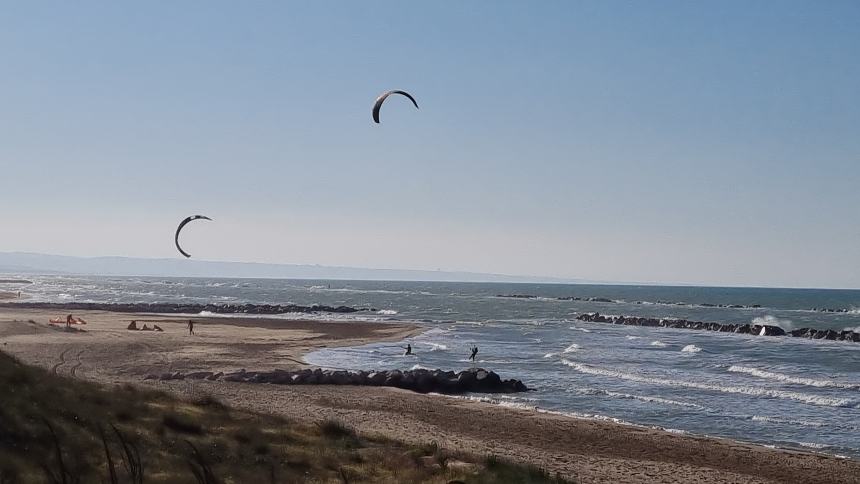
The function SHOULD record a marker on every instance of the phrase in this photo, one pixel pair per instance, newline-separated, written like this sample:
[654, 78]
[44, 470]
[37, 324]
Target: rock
[758, 330]
[157, 328]
[172, 308]
[419, 380]
[132, 326]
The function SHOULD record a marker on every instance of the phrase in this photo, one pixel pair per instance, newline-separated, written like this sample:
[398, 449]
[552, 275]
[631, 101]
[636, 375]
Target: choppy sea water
[787, 392]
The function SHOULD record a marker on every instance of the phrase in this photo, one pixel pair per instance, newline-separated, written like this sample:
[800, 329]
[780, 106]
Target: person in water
[190, 327]
[474, 350]
[408, 350]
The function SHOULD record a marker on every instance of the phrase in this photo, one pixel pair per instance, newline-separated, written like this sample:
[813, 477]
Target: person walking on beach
[69, 320]
[474, 350]
[408, 350]
[190, 327]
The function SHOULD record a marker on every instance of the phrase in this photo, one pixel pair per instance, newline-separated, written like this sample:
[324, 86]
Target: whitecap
[753, 391]
[658, 344]
[769, 375]
[813, 445]
[570, 349]
[691, 349]
[641, 398]
[437, 347]
[389, 312]
[631, 337]
[786, 421]
[767, 319]
[550, 355]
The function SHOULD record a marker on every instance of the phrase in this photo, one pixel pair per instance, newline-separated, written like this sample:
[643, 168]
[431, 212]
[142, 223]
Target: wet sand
[587, 450]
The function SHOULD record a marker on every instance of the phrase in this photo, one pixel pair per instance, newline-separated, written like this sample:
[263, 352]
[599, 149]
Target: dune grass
[59, 430]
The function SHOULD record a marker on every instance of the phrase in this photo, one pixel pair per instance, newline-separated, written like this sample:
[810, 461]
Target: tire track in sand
[74, 369]
[62, 361]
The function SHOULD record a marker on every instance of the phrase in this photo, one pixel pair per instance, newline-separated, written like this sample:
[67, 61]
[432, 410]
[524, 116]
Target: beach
[583, 449]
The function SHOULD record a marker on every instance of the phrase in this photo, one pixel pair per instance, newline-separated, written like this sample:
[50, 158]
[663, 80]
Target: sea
[777, 391]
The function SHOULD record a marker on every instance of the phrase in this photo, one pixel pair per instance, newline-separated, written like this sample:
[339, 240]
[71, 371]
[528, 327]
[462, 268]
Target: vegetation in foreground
[58, 430]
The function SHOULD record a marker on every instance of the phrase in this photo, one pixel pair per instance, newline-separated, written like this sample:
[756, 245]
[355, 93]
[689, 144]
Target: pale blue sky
[636, 141]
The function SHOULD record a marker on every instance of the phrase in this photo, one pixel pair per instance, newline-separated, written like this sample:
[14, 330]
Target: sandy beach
[586, 450]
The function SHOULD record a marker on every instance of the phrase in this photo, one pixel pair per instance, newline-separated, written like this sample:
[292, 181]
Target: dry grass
[57, 430]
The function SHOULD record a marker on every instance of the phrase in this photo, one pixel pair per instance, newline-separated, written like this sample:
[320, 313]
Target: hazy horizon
[669, 142]
[120, 266]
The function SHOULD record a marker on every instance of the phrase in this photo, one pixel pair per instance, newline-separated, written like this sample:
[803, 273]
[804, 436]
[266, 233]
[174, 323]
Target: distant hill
[30, 263]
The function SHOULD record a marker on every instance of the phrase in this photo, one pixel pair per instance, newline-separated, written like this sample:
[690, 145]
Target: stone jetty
[476, 380]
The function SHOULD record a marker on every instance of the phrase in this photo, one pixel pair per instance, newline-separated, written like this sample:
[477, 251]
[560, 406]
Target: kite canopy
[179, 229]
[378, 104]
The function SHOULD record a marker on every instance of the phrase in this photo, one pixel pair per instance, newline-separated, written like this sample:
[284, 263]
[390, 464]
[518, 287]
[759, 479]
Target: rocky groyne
[475, 380]
[171, 308]
[756, 329]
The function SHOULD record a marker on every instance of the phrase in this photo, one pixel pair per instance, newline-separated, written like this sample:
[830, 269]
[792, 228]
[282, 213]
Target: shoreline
[581, 448]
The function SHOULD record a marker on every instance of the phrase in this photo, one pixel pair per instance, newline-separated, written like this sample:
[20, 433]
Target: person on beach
[190, 327]
[69, 321]
[408, 350]
[474, 350]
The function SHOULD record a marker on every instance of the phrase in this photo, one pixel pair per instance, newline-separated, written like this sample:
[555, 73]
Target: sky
[666, 141]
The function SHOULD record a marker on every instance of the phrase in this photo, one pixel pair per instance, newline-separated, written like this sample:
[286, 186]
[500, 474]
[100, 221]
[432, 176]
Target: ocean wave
[691, 349]
[658, 344]
[813, 445]
[523, 406]
[581, 329]
[641, 398]
[632, 337]
[550, 355]
[745, 390]
[769, 375]
[437, 347]
[388, 312]
[785, 421]
[570, 349]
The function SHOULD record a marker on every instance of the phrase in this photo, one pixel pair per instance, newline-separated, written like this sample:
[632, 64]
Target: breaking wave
[768, 320]
[570, 349]
[691, 349]
[752, 391]
[769, 375]
[641, 398]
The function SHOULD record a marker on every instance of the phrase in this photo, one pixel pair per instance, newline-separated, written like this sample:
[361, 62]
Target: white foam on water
[570, 349]
[581, 329]
[744, 390]
[769, 375]
[550, 355]
[691, 349]
[767, 319]
[658, 344]
[813, 445]
[631, 337]
[437, 347]
[641, 398]
[388, 312]
[784, 421]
